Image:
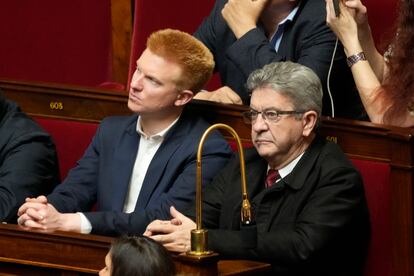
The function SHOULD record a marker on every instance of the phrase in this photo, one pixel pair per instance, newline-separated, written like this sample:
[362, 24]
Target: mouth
[262, 142]
[133, 97]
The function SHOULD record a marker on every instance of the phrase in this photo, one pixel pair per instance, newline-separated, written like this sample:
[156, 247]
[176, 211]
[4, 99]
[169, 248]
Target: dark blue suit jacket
[102, 175]
[306, 40]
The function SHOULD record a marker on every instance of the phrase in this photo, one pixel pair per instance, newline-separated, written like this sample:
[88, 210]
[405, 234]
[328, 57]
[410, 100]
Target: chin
[265, 151]
[133, 106]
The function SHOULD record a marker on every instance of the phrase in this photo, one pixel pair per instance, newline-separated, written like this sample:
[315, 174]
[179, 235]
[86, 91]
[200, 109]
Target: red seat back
[382, 15]
[56, 41]
[71, 139]
[376, 177]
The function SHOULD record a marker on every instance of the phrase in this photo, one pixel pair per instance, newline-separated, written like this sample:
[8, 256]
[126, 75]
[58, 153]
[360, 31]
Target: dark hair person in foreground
[137, 256]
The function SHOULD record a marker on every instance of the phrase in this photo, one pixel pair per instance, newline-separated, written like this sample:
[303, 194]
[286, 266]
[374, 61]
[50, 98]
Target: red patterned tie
[272, 177]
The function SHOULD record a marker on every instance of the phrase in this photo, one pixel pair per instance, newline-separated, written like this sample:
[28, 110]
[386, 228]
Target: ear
[183, 97]
[309, 120]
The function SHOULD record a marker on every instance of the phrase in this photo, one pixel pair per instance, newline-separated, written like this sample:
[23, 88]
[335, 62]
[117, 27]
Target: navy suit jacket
[102, 176]
[306, 40]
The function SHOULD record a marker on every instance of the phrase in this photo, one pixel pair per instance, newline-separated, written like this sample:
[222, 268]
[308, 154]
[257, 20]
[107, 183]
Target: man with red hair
[137, 167]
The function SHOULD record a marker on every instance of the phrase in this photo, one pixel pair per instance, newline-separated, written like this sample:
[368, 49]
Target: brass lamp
[199, 238]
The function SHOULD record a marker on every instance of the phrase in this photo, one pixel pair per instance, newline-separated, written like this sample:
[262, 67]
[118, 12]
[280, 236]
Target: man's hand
[37, 213]
[223, 95]
[175, 235]
[242, 15]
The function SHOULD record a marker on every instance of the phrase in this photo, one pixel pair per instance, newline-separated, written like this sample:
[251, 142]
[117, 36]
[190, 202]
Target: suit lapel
[255, 177]
[124, 155]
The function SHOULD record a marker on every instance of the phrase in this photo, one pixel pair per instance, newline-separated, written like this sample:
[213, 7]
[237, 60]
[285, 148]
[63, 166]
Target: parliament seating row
[373, 150]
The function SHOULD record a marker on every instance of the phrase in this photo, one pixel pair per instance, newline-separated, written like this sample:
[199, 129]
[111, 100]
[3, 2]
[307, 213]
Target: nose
[260, 124]
[137, 81]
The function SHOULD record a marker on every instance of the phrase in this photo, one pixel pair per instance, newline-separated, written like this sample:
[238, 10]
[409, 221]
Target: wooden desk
[24, 252]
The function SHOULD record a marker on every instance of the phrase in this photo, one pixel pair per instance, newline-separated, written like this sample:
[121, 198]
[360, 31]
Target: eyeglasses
[269, 115]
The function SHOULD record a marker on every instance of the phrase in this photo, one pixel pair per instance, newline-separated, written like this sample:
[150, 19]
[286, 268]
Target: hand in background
[242, 15]
[344, 26]
[223, 95]
[358, 11]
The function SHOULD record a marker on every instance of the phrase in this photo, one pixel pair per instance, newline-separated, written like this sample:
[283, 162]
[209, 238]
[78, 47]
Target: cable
[328, 80]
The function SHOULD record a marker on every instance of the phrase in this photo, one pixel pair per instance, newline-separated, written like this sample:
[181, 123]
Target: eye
[253, 114]
[271, 114]
[153, 81]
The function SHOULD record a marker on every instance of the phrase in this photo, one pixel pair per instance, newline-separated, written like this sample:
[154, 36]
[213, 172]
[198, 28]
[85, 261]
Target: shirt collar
[158, 135]
[291, 15]
[288, 18]
[289, 167]
[281, 26]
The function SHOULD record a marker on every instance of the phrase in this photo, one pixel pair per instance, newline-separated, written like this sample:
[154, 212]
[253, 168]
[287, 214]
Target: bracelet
[351, 60]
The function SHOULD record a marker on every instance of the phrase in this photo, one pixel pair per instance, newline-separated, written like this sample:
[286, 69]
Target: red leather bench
[376, 176]
[71, 139]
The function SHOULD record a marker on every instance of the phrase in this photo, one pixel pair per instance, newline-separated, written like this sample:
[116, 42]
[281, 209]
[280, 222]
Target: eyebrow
[149, 76]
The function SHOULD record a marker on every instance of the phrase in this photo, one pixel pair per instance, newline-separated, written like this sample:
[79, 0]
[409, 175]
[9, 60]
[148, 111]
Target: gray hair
[290, 79]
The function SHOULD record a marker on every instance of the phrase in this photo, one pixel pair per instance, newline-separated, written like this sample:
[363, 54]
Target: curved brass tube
[199, 236]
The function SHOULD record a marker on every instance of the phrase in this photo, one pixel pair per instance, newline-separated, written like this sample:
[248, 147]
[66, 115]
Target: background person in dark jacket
[245, 35]
[28, 160]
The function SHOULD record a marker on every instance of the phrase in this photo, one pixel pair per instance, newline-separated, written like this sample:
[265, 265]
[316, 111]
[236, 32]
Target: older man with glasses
[308, 201]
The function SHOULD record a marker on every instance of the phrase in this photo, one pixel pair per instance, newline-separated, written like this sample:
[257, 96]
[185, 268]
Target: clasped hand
[174, 234]
[37, 213]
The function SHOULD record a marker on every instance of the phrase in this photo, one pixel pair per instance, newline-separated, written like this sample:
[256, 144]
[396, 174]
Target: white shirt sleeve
[86, 226]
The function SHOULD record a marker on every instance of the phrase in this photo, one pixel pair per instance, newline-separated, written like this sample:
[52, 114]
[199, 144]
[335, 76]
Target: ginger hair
[194, 58]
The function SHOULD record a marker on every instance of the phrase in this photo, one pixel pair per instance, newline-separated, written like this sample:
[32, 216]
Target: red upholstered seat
[382, 15]
[71, 139]
[56, 41]
[245, 145]
[376, 176]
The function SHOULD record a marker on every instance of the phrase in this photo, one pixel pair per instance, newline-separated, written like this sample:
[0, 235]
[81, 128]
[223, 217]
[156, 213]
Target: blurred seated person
[307, 199]
[245, 35]
[137, 166]
[385, 83]
[28, 160]
[137, 256]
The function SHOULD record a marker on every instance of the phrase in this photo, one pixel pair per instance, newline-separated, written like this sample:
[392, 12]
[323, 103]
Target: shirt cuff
[86, 226]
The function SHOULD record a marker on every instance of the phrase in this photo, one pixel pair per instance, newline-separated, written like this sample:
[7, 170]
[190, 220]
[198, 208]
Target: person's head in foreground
[137, 256]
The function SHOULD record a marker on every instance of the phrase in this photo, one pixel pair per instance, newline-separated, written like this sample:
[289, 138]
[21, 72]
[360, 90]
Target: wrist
[70, 222]
[353, 59]
[242, 30]
[352, 46]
